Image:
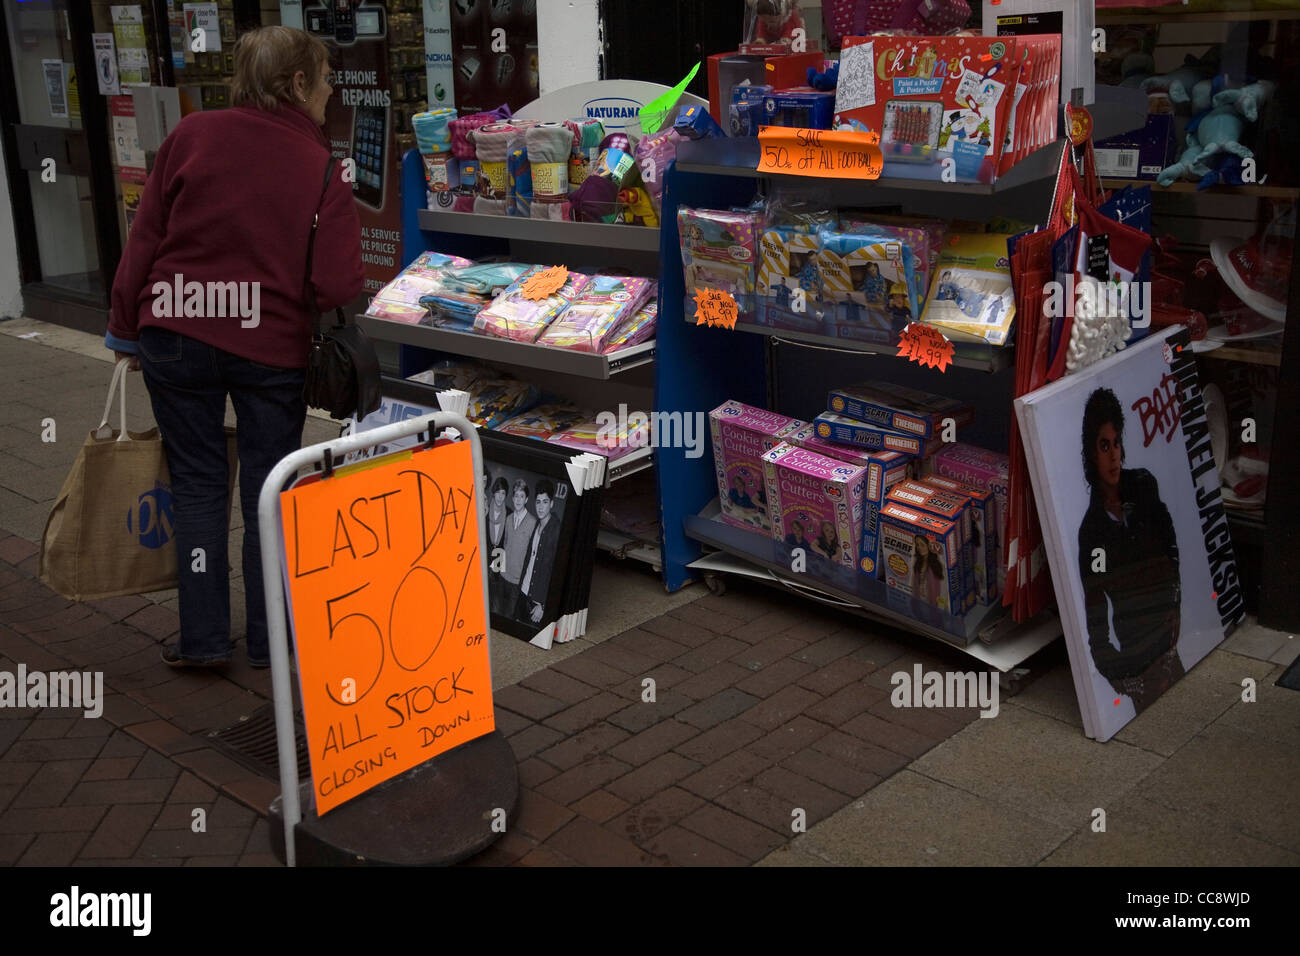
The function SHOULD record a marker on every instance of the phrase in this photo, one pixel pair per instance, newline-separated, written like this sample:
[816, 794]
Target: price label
[926, 345]
[830, 154]
[716, 307]
[545, 282]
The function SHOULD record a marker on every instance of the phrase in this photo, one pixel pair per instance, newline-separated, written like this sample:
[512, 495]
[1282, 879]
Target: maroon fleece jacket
[231, 199]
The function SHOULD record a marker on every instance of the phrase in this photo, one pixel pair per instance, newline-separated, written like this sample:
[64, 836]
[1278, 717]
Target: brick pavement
[759, 711]
[121, 789]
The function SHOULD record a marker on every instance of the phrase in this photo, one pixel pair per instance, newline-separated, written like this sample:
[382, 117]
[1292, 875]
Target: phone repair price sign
[385, 582]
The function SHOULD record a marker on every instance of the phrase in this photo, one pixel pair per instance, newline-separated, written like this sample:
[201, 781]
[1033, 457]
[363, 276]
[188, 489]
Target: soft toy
[1136, 68]
[824, 81]
[1218, 131]
[1205, 92]
[1248, 99]
[1177, 84]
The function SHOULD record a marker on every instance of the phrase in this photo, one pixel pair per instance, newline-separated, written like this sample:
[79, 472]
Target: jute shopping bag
[110, 531]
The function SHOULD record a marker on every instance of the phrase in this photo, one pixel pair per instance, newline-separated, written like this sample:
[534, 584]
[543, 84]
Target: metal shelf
[508, 351]
[807, 329]
[556, 232]
[842, 586]
[739, 157]
[1254, 190]
[623, 546]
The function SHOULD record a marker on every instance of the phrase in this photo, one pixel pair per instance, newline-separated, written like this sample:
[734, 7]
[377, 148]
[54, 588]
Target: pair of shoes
[171, 656]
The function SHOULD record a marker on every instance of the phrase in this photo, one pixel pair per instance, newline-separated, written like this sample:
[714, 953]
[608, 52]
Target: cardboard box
[815, 504]
[742, 434]
[900, 409]
[949, 507]
[985, 547]
[933, 577]
[984, 469]
[726, 70]
[1138, 154]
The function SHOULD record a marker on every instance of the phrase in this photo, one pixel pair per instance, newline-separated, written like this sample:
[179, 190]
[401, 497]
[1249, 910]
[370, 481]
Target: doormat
[1291, 676]
[251, 743]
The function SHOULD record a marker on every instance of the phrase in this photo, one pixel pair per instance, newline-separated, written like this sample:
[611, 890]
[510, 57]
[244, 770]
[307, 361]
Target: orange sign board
[716, 307]
[832, 154]
[386, 594]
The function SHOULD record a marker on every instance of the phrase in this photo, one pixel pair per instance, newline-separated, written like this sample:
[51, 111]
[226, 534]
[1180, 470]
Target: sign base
[437, 814]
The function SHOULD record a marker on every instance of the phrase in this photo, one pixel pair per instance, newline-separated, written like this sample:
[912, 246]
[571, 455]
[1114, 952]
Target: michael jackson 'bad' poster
[1139, 546]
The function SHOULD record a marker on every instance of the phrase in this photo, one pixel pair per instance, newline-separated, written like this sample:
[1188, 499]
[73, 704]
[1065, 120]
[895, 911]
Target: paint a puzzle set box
[955, 108]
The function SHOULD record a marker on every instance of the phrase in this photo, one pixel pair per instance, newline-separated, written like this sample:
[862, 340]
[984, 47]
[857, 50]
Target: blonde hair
[266, 60]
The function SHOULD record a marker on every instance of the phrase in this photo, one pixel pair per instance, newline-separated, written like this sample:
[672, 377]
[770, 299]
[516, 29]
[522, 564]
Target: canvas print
[1138, 542]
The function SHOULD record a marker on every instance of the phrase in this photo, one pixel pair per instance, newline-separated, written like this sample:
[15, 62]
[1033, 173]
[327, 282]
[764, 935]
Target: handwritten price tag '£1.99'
[926, 345]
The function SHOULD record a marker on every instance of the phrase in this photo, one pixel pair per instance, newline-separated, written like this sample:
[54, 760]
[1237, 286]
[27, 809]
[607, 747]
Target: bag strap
[308, 292]
[117, 382]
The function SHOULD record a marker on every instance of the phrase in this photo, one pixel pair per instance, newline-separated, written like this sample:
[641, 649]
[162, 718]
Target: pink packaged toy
[921, 556]
[399, 301]
[603, 306]
[983, 469]
[742, 434]
[511, 316]
[634, 330]
[719, 249]
[815, 502]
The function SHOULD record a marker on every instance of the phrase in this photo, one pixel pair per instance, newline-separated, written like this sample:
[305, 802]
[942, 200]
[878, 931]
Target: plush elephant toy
[1248, 99]
[1178, 84]
[1218, 131]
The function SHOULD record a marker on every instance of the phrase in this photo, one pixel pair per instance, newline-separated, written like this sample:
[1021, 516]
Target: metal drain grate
[251, 743]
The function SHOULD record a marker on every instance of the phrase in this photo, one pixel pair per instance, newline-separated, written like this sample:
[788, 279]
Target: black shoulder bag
[342, 367]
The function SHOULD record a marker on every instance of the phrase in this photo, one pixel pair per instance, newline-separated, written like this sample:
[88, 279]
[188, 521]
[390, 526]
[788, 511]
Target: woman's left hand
[135, 360]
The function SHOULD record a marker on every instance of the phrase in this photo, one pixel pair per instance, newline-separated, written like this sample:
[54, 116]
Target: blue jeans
[188, 382]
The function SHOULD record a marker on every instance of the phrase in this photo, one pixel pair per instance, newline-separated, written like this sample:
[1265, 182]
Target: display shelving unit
[788, 370]
[600, 381]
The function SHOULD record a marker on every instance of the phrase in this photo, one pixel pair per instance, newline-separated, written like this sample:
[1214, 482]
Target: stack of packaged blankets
[871, 484]
[590, 313]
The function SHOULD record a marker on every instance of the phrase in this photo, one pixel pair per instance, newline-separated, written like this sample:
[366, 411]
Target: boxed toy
[746, 113]
[850, 431]
[984, 469]
[788, 263]
[816, 502]
[719, 249]
[900, 409]
[985, 547]
[949, 507]
[940, 104]
[884, 469]
[801, 107]
[920, 556]
[876, 272]
[971, 292]
[1139, 154]
[742, 434]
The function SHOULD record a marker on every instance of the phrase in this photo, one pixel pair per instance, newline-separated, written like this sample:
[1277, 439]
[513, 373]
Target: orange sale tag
[925, 345]
[833, 154]
[545, 283]
[385, 582]
[716, 307]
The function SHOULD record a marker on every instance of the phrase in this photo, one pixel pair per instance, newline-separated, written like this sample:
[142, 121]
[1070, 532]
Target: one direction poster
[1138, 542]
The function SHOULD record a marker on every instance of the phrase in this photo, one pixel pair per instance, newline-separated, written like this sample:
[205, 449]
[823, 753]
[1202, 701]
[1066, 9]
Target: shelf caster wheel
[716, 584]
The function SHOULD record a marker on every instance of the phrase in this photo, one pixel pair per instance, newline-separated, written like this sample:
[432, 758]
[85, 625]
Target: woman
[518, 535]
[927, 572]
[229, 206]
[828, 542]
[1128, 563]
[496, 523]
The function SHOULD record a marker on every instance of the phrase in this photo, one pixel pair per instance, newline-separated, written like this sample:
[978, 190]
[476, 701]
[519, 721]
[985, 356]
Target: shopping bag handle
[118, 382]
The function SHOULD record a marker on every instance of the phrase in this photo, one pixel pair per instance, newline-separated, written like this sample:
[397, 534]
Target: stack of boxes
[839, 489]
